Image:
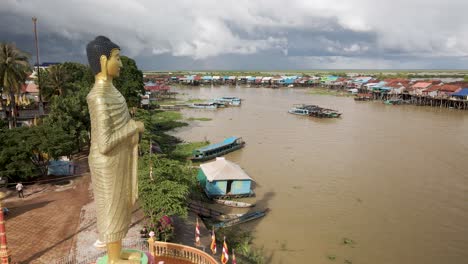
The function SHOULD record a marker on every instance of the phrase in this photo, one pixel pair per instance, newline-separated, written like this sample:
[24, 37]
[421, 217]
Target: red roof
[422, 85]
[444, 88]
[29, 88]
[449, 88]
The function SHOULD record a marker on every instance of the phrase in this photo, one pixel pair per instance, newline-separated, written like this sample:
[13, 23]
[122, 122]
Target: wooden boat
[242, 219]
[225, 217]
[233, 203]
[393, 101]
[315, 111]
[232, 101]
[363, 97]
[218, 149]
[298, 111]
[204, 106]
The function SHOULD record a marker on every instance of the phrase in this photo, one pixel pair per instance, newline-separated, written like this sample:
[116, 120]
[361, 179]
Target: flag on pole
[225, 254]
[233, 257]
[197, 233]
[213, 242]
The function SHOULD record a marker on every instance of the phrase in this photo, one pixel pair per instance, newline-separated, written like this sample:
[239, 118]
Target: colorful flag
[213, 242]
[233, 257]
[197, 233]
[225, 254]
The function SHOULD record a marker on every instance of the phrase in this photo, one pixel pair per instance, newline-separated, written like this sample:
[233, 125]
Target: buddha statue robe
[112, 160]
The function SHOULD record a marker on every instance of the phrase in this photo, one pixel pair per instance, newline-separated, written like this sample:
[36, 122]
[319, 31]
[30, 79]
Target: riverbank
[173, 163]
[325, 179]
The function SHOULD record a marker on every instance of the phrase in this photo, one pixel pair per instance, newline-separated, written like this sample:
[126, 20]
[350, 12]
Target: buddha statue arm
[109, 131]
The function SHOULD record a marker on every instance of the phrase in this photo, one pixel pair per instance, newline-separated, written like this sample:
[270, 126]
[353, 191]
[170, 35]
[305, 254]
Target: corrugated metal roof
[222, 169]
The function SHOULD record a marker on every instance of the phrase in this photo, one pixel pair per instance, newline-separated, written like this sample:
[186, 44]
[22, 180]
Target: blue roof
[251, 78]
[227, 141]
[462, 92]
[207, 77]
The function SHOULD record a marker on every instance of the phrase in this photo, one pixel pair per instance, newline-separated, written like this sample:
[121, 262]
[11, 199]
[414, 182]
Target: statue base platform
[144, 257]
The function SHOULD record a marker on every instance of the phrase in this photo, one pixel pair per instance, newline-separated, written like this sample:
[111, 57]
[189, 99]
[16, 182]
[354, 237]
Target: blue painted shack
[224, 178]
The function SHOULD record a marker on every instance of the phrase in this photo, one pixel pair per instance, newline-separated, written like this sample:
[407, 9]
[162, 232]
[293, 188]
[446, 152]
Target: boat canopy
[227, 141]
[223, 170]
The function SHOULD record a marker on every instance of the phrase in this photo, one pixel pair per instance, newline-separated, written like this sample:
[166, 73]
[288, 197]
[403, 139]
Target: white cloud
[209, 28]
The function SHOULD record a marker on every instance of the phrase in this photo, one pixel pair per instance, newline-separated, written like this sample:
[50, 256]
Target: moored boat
[218, 149]
[363, 97]
[204, 105]
[242, 219]
[315, 111]
[393, 101]
[229, 100]
[298, 111]
[233, 203]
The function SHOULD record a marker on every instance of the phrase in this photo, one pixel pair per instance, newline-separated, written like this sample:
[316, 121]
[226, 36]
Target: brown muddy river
[394, 179]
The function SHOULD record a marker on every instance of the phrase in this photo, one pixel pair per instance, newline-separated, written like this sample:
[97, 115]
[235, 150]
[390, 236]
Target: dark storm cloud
[246, 34]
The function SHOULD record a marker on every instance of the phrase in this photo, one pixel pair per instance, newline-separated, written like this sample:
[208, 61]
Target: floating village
[448, 93]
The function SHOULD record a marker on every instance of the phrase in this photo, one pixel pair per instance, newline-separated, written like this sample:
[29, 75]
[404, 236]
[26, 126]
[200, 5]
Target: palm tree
[14, 67]
[54, 81]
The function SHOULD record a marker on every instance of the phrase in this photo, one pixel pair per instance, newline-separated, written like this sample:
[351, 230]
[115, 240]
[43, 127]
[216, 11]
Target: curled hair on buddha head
[95, 49]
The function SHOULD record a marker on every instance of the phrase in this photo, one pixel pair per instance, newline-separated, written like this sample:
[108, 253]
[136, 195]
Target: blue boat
[219, 149]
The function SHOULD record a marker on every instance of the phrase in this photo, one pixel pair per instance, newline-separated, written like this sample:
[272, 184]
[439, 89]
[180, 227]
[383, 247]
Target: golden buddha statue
[114, 151]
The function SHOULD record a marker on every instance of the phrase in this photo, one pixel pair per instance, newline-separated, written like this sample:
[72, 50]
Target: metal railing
[181, 252]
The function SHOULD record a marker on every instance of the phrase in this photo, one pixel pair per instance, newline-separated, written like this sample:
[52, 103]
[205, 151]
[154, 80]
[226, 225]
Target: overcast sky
[249, 34]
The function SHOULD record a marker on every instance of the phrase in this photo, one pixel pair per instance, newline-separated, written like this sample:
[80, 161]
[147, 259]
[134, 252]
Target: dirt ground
[53, 221]
[42, 226]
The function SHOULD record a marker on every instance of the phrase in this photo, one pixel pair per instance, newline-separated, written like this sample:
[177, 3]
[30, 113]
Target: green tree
[465, 78]
[130, 82]
[71, 114]
[168, 192]
[54, 81]
[26, 151]
[14, 68]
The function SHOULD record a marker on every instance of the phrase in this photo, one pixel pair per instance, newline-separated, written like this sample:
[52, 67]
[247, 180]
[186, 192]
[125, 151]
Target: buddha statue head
[104, 58]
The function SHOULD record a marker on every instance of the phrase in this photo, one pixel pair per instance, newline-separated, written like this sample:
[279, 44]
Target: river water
[393, 179]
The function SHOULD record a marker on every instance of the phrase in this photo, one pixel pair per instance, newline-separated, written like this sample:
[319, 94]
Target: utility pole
[41, 104]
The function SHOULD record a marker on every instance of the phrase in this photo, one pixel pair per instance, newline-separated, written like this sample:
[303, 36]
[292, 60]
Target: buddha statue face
[104, 58]
[113, 64]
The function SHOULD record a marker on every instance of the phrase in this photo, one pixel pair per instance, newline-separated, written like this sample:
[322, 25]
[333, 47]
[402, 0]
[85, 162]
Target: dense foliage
[25, 152]
[130, 82]
[14, 68]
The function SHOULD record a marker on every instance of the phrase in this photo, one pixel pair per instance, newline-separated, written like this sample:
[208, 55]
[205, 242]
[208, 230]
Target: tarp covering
[462, 92]
[222, 169]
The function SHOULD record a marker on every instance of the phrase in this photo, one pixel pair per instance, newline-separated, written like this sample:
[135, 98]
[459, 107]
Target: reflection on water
[392, 178]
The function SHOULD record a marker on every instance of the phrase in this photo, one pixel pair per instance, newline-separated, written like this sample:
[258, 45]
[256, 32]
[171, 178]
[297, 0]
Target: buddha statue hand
[140, 126]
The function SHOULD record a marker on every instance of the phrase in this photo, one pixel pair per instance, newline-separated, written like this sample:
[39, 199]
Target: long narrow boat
[204, 106]
[219, 149]
[233, 203]
[363, 97]
[233, 101]
[225, 217]
[242, 219]
[298, 111]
